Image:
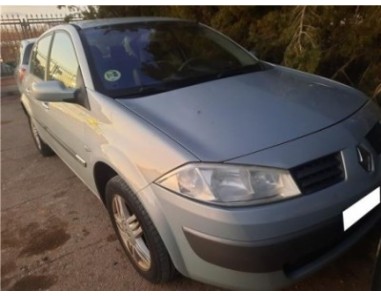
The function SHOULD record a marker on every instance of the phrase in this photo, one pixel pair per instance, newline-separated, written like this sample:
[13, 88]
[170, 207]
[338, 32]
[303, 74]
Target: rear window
[39, 57]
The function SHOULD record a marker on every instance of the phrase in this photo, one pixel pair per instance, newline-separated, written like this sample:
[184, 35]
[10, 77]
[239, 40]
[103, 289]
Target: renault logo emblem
[365, 158]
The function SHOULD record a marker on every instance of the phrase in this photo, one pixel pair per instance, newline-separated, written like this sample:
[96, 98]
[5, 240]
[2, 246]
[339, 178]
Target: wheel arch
[103, 172]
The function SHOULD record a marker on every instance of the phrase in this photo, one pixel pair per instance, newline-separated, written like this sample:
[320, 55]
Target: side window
[39, 59]
[26, 56]
[63, 64]
[19, 55]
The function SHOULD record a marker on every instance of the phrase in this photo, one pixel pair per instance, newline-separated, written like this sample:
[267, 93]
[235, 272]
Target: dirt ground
[55, 235]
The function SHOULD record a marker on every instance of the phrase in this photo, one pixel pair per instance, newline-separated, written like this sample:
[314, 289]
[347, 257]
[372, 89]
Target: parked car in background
[22, 62]
[233, 171]
[6, 69]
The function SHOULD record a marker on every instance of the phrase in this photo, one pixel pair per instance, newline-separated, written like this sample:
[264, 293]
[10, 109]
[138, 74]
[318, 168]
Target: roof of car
[113, 21]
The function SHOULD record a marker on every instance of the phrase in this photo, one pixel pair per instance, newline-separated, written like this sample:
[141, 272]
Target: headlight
[230, 184]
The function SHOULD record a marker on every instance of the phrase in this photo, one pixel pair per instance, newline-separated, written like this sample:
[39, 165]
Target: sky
[28, 9]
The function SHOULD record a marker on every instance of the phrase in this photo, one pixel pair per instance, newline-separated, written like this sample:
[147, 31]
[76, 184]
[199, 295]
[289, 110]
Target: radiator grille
[319, 173]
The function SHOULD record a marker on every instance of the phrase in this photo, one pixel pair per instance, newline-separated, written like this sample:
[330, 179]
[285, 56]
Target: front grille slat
[316, 169]
[320, 177]
[319, 173]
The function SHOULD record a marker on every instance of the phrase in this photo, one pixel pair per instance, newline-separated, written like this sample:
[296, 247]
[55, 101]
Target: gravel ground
[55, 235]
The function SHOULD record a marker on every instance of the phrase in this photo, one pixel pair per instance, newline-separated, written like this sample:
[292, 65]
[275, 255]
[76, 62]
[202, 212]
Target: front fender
[123, 166]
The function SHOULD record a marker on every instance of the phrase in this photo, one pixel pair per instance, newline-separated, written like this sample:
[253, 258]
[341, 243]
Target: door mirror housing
[53, 91]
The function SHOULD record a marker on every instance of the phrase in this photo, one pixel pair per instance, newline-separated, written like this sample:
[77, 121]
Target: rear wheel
[42, 147]
[137, 234]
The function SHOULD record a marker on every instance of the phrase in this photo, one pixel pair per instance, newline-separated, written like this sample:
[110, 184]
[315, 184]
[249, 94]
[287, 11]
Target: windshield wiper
[145, 91]
[240, 70]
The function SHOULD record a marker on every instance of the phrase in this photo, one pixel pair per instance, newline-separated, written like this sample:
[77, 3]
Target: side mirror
[53, 91]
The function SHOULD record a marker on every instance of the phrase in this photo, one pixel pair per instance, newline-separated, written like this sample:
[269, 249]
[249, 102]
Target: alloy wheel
[131, 233]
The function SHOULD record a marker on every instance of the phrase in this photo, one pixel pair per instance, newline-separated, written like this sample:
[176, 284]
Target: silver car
[230, 170]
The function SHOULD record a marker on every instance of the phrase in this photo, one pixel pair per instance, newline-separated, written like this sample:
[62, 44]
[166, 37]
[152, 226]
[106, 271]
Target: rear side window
[39, 58]
[63, 60]
[27, 51]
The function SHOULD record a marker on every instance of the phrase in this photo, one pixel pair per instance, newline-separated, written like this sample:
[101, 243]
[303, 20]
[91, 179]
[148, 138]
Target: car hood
[226, 118]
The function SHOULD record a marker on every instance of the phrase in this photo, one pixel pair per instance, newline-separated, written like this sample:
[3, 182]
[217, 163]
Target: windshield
[141, 58]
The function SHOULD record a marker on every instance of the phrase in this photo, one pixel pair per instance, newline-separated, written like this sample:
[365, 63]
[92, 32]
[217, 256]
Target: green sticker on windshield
[112, 75]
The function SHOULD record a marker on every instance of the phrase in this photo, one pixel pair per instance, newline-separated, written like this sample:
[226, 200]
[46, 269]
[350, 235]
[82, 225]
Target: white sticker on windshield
[112, 75]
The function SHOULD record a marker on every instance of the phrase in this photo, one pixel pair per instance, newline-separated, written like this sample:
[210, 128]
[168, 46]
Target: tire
[41, 146]
[137, 234]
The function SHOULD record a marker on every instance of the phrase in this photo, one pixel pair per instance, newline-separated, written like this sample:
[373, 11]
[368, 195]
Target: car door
[38, 71]
[66, 121]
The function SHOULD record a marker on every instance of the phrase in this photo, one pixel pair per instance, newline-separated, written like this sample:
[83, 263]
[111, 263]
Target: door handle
[45, 105]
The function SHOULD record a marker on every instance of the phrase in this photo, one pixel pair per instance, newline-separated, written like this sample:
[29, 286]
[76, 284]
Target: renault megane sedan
[228, 169]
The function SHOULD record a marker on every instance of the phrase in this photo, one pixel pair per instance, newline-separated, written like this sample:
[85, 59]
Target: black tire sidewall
[115, 188]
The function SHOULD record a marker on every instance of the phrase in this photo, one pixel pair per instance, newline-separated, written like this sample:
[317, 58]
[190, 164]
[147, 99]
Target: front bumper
[224, 248]
[296, 254]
